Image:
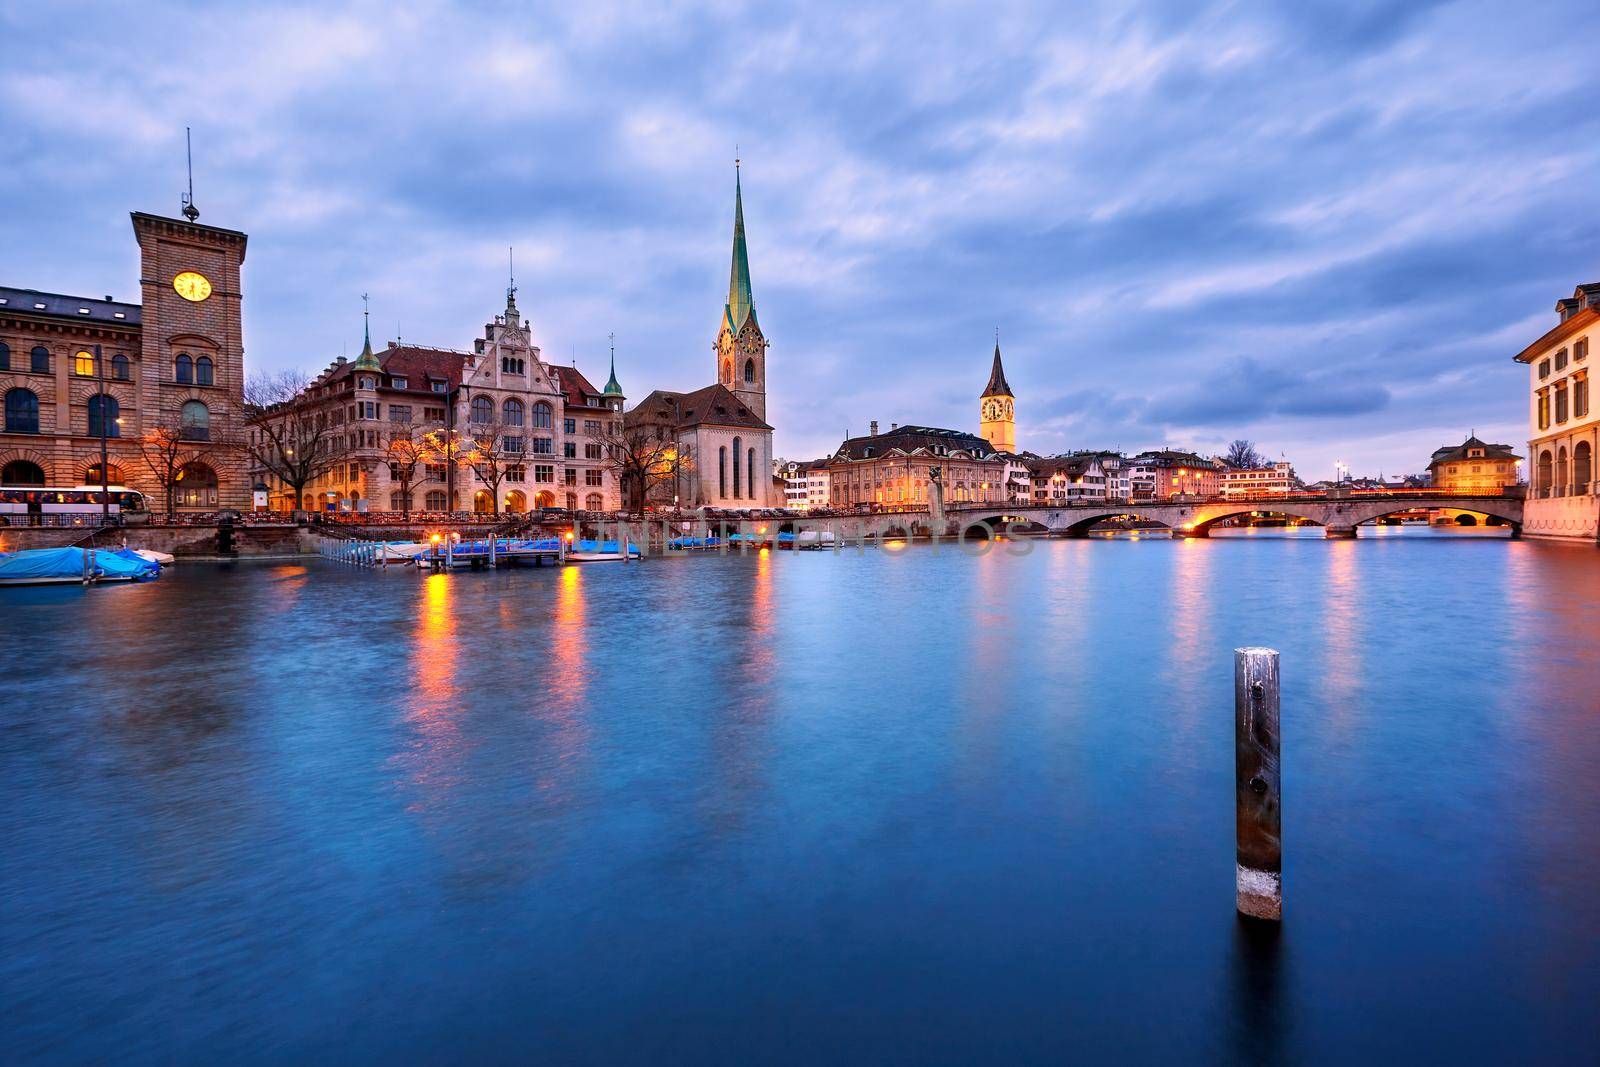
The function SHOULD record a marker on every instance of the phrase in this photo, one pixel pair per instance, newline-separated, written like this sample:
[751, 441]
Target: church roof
[714, 405]
[741, 305]
[613, 387]
[997, 378]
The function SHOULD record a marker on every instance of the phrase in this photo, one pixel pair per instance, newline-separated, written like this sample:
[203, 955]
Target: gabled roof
[713, 405]
[575, 388]
[997, 378]
[76, 308]
[1451, 453]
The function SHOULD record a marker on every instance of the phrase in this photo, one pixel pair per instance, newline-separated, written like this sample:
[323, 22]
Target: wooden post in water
[1257, 797]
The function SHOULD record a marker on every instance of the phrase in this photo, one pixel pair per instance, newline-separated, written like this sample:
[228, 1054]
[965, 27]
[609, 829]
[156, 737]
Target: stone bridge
[1338, 515]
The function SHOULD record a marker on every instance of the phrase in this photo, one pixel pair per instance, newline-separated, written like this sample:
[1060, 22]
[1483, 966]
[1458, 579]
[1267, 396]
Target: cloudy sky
[1323, 226]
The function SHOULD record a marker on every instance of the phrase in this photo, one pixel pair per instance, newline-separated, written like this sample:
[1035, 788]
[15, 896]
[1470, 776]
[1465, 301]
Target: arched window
[1545, 476]
[433, 500]
[511, 412]
[1582, 469]
[594, 502]
[543, 416]
[39, 360]
[750, 467]
[736, 447]
[21, 472]
[83, 363]
[204, 371]
[727, 371]
[1561, 471]
[399, 501]
[119, 367]
[482, 410]
[483, 502]
[722, 471]
[516, 502]
[545, 499]
[5, 356]
[194, 421]
[22, 411]
[92, 475]
[103, 412]
[750, 371]
[196, 486]
[183, 369]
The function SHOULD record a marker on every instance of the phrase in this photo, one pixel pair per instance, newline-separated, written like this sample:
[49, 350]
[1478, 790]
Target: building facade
[1244, 483]
[1067, 479]
[1563, 427]
[1166, 473]
[493, 429]
[894, 468]
[1473, 466]
[170, 365]
[719, 443]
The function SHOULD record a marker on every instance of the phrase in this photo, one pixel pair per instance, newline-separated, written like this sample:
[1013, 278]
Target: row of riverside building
[160, 385]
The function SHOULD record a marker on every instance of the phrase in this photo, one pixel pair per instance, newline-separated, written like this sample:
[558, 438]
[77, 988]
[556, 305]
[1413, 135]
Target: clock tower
[741, 346]
[997, 419]
[189, 285]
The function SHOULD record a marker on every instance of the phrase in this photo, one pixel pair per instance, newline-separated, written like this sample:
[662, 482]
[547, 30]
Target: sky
[1325, 227]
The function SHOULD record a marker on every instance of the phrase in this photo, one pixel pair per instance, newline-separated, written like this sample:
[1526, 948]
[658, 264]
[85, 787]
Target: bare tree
[647, 463]
[450, 448]
[285, 436]
[489, 458]
[1242, 455]
[166, 451]
[406, 455]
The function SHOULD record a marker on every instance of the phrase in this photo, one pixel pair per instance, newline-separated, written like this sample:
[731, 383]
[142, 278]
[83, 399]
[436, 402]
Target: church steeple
[997, 407]
[613, 388]
[741, 348]
[366, 361]
[740, 303]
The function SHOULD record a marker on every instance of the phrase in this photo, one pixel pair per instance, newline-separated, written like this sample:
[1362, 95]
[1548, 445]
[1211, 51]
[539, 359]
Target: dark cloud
[1323, 224]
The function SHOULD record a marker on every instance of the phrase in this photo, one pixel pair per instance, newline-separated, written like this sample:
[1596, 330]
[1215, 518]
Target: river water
[901, 806]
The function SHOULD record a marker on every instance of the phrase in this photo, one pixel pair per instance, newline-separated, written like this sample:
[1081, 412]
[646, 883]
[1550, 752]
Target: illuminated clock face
[192, 286]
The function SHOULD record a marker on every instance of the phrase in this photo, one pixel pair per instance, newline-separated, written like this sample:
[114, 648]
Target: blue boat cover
[42, 564]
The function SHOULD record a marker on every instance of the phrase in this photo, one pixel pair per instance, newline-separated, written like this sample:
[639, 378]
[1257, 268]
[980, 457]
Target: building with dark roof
[714, 443]
[1473, 466]
[491, 429]
[170, 364]
[897, 468]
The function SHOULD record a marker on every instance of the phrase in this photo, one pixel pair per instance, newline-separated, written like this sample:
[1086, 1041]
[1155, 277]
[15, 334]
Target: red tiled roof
[713, 405]
[577, 389]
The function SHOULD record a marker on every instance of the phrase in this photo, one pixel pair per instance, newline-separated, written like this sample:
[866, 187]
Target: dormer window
[398, 383]
[438, 386]
[1474, 453]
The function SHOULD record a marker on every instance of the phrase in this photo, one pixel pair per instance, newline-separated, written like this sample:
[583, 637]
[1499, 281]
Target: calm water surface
[914, 807]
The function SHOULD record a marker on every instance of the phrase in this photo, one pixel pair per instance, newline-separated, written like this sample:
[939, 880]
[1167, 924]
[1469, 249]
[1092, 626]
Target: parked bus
[35, 505]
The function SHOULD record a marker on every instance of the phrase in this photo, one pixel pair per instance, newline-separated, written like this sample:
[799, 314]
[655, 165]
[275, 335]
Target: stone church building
[720, 436]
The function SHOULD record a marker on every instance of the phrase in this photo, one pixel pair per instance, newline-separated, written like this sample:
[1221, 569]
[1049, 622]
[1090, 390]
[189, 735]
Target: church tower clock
[997, 417]
[741, 346]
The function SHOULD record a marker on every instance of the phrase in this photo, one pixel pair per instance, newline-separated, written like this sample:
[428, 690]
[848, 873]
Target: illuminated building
[1166, 473]
[171, 363]
[997, 409]
[893, 468]
[1473, 467]
[718, 434]
[1242, 483]
[1563, 427]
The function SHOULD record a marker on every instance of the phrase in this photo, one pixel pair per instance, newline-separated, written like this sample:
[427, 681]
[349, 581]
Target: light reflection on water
[911, 805]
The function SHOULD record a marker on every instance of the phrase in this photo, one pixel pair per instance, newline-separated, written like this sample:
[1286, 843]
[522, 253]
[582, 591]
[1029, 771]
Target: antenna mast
[190, 212]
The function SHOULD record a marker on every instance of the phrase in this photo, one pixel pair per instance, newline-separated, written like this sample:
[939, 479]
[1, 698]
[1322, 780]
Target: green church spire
[367, 361]
[612, 388]
[740, 303]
